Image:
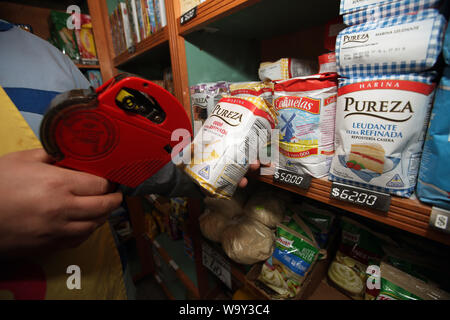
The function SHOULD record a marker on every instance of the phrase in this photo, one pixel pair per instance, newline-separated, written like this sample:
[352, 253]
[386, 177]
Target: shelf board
[259, 19]
[406, 214]
[173, 252]
[160, 37]
[87, 66]
[210, 11]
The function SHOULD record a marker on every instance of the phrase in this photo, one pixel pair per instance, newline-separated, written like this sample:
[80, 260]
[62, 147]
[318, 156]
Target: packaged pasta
[221, 153]
[306, 109]
[293, 258]
[286, 68]
[381, 123]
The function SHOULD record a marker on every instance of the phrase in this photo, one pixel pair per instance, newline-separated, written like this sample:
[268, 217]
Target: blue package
[433, 185]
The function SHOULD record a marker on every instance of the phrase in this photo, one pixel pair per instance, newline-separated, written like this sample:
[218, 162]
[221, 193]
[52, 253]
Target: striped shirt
[33, 72]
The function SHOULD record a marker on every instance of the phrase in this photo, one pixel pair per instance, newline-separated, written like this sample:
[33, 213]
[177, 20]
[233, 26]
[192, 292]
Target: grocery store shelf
[173, 254]
[406, 214]
[212, 10]
[259, 19]
[87, 66]
[160, 37]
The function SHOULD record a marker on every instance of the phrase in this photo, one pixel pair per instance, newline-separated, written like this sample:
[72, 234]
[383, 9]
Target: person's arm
[172, 182]
[169, 182]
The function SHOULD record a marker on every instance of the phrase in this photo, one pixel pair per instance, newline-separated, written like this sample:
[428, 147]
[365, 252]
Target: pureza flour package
[380, 129]
[376, 12]
[395, 45]
[220, 151]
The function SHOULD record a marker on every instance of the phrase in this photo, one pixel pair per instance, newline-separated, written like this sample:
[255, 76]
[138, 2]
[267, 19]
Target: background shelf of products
[173, 253]
[226, 40]
[35, 17]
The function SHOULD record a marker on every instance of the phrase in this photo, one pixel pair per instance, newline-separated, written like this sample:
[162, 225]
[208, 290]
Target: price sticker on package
[302, 181]
[360, 196]
[217, 264]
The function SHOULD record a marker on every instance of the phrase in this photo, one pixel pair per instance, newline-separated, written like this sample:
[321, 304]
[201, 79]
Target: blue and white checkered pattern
[424, 77]
[362, 5]
[374, 13]
[406, 192]
[405, 66]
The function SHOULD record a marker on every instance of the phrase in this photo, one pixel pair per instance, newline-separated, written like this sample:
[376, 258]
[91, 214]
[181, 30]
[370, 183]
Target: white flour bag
[306, 115]
[381, 123]
[220, 154]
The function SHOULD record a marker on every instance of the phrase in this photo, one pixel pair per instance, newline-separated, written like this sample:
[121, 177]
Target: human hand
[253, 167]
[45, 207]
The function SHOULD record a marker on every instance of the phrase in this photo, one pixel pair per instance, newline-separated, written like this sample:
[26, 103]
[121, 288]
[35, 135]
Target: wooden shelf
[259, 19]
[87, 66]
[160, 37]
[168, 249]
[406, 214]
[212, 10]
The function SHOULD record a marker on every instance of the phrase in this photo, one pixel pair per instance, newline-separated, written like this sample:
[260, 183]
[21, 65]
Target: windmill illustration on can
[287, 129]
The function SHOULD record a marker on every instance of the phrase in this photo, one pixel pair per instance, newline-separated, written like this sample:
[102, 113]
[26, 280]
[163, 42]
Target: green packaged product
[62, 37]
[299, 226]
[359, 248]
[399, 285]
[293, 258]
[319, 221]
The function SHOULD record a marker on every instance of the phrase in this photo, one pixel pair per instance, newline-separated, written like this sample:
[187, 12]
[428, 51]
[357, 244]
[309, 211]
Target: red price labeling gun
[122, 131]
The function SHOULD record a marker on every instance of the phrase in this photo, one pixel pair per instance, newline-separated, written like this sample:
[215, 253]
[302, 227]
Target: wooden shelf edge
[405, 214]
[179, 272]
[145, 45]
[210, 11]
[87, 66]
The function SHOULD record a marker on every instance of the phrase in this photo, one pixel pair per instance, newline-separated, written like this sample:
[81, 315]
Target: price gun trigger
[121, 131]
